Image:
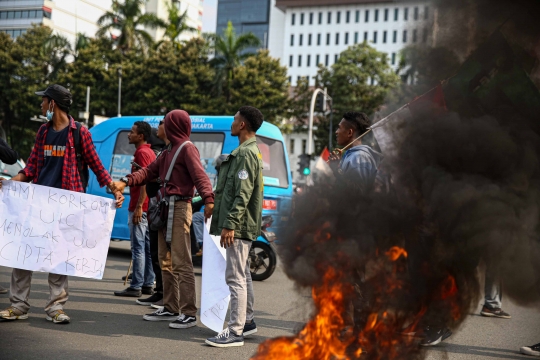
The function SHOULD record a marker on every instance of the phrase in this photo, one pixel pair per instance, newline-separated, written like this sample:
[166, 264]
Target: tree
[176, 25]
[128, 19]
[230, 53]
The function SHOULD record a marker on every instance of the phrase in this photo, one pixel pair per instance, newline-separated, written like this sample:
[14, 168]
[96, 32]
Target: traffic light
[304, 164]
[319, 103]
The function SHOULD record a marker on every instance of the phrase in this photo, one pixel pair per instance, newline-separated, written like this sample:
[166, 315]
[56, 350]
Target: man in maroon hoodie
[175, 257]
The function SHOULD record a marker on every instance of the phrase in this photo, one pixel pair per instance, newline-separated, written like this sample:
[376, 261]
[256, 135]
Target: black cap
[58, 93]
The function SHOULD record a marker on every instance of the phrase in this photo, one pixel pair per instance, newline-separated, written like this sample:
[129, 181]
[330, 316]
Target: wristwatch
[125, 179]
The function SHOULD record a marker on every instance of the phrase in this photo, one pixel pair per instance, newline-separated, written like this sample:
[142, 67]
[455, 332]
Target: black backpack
[81, 165]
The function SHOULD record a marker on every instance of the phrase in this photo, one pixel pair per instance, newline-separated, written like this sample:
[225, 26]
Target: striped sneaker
[59, 317]
[12, 313]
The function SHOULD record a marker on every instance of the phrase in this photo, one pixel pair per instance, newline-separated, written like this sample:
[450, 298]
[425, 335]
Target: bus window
[274, 165]
[210, 146]
[121, 158]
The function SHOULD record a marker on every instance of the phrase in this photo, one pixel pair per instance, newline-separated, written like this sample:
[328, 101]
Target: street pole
[310, 127]
[119, 90]
[87, 113]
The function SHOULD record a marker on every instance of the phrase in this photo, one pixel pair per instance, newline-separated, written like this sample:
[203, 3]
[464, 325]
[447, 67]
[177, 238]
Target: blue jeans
[198, 226]
[492, 287]
[143, 275]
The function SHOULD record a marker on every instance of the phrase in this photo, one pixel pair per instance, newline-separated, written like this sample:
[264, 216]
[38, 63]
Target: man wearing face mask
[53, 162]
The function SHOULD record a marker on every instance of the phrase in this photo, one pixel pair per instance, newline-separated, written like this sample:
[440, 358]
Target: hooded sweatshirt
[188, 170]
[359, 167]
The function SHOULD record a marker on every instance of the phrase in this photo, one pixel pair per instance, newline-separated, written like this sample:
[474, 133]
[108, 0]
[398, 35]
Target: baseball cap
[58, 93]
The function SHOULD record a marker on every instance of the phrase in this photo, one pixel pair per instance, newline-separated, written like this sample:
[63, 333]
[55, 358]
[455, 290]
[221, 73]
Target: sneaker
[183, 322]
[147, 290]
[12, 313]
[250, 328]
[161, 314]
[157, 305]
[226, 338]
[60, 317]
[432, 337]
[533, 350]
[129, 277]
[498, 313]
[150, 300]
[3, 290]
[129, 292]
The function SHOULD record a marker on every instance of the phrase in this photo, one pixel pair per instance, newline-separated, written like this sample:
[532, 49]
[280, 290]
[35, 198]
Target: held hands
[137, 215]
[117, 189]
[227, 238]
[208, 210]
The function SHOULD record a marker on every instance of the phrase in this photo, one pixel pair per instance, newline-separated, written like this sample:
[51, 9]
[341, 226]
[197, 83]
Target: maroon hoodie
[187, 172]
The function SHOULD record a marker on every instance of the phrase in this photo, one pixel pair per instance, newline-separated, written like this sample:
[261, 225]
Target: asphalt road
[107, 327]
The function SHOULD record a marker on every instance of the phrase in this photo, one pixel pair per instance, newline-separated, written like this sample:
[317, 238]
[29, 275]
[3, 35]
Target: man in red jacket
[175, 253]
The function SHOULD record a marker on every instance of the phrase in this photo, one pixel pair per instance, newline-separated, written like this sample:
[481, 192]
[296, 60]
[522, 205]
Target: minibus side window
[121, 158]
[210, 146]
[274, 164]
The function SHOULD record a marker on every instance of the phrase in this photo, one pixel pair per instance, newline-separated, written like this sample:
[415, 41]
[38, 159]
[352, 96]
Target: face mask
[50, 114]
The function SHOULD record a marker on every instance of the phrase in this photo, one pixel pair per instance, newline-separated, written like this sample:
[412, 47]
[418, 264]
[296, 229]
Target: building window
[329, 17]
[374, 37]
[298, 79]
[310, 18]
[356, 37]
[291, 146]
[384, 37]
[365, 35]
[336, 57]
[396, 14]
[326, 60]
[426, 12]
[338, 17]
[372, 81]
[292, 39]
[425, 35]
[404, 36]
[309, 40]
[366, 16]
[304, 146]
[308, 61]
[337, 38]
[394, 37]
[320, 18]
[414, 35]
[301, 18]
[386, 14]
[293, 18]
[318, 39]
[376, 15]
[299, 60]
[406, 14]
[357, 16]
[347, 16]
[317, 60]
[328, 39]
[290, 79]
[393, 58]
[300, 40]
[416, 13]
[290, 61]
[346, 38]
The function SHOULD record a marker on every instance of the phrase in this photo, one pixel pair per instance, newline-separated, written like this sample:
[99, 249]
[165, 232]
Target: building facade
[246, 16]
[194, 10]
[306, 33]
[65, 17]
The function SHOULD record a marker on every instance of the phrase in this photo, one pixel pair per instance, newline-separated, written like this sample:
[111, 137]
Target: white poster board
[215, 293]
[54, 230]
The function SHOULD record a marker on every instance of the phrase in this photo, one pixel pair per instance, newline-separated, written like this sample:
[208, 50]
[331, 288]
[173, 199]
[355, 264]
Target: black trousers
[155, 260]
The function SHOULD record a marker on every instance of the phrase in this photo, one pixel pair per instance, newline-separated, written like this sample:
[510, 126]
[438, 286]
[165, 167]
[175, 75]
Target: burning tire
[263, 261]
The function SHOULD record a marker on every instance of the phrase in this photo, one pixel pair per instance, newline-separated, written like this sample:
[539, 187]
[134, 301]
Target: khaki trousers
[238, 278]
[176, 265]
[20, 290]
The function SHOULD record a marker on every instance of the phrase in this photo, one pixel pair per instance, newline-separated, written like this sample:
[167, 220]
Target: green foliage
[175, 26]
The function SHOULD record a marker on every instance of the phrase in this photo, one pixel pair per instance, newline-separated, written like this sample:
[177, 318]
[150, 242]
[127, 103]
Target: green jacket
[239, 193]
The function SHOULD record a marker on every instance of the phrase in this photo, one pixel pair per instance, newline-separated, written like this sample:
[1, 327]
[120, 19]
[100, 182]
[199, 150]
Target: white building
[194, 10]
[305, 33]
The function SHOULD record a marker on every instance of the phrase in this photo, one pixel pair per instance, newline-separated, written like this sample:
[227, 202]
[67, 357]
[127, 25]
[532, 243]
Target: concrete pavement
[108, 327]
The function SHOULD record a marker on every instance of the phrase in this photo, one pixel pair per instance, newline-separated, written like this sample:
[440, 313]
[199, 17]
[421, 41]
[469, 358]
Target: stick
[340, 151]
[129, 269]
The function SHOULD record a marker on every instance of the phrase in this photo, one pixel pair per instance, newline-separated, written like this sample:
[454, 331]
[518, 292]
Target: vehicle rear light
[269, 204]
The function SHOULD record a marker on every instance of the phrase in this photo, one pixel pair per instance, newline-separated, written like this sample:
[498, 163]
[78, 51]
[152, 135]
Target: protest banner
[54, 230]
[215, 293]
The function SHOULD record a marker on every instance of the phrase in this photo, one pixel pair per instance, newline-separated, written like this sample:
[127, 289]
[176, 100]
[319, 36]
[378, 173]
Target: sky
[209, 15]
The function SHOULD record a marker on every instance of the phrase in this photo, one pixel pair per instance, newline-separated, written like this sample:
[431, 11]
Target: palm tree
[127, 18]
[176, 25]
[230, 53]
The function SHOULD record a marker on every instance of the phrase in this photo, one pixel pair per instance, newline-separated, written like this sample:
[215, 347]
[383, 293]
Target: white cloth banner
[54, 230]
[215, 293]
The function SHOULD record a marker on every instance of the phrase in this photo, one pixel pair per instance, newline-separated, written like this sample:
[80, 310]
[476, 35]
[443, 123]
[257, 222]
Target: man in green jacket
[237, 219]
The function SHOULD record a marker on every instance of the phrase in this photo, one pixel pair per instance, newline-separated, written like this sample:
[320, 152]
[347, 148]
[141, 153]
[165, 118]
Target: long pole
[87, 104]
[310, 127]
[119, 91]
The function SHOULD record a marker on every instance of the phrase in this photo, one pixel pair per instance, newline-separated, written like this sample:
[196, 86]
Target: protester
[174, 252]
[533, 350]
[142, 280]
[493, 294]
[237, 220]
[58, 169]
[159, 144]
[7, 156]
